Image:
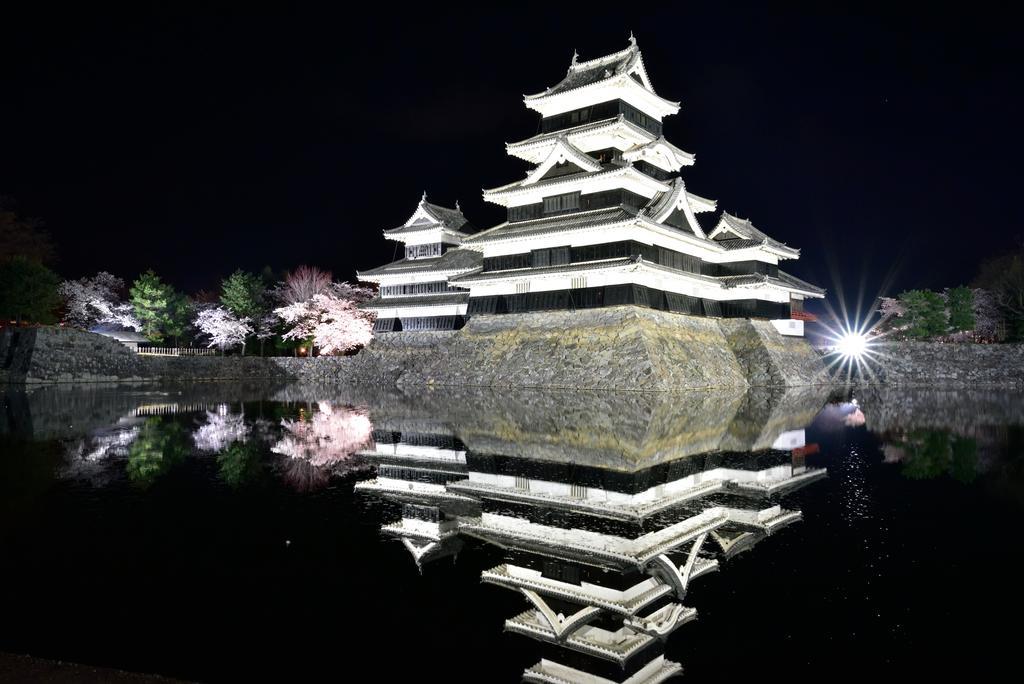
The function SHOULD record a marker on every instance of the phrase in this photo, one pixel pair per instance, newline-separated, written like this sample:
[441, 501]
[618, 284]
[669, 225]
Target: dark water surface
[216, 533]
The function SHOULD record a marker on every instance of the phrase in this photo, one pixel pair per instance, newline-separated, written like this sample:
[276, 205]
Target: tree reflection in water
[160, 445]
[221, 430]
[240, 463]
[102, 445]
[322, 442]
[87, 457]
[928, 453]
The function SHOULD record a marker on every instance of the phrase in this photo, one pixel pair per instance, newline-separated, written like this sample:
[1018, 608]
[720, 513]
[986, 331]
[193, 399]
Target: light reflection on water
[569, 506]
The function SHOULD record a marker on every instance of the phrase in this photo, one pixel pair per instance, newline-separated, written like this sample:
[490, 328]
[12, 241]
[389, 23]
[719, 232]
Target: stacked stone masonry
[623, 348]
[949, 365]
[60, 355]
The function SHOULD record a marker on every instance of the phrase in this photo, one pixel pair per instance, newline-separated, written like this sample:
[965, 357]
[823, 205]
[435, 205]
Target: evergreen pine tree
[960, 301]
[28, 291]
[925, 313]
[151, 299]
[245, 296]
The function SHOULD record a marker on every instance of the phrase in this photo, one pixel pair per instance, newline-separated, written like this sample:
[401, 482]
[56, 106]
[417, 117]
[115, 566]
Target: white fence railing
[178, 351]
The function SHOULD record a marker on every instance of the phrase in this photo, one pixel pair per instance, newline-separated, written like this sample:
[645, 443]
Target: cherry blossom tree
[892, 317]
[97, 300]
[81, 297]
[222, 327]
[302, 476]
[265, 327]
[331, 318]
[122, 315]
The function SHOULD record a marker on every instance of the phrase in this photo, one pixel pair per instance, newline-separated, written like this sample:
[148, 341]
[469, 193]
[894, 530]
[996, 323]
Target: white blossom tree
[222, 327]
[332, 318]
[221, 430]
[122, 315]
[265, 327]
[97, 300]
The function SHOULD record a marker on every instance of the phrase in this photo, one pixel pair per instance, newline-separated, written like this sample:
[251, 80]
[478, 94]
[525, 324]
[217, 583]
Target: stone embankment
[946, 364]
[624, 348]
[620, 348]
[60, 355]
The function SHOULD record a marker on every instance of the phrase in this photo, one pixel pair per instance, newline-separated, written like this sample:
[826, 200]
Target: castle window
[557, 204]
[421, 251]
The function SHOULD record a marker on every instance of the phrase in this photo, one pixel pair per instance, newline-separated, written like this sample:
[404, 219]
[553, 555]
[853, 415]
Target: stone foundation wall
[35, 356]
[950, 365]
[769, 359]
[626, 348]
[620, 348]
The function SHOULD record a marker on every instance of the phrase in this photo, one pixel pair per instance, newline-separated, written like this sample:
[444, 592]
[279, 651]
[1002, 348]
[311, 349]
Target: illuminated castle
[604, 218]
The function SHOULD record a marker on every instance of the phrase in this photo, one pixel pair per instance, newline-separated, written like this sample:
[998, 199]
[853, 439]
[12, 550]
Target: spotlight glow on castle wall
[852, 345]
[853, 349]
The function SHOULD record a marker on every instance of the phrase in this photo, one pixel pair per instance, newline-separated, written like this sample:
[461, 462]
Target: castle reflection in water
[606, 506]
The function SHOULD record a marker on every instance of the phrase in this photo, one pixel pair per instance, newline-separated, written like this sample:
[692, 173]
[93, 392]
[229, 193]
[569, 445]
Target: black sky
[195, 142]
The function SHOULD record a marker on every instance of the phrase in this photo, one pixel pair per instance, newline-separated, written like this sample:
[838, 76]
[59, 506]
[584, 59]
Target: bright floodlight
[852, 345]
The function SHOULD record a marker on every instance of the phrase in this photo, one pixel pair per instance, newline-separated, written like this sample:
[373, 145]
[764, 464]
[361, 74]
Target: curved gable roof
[430, 216]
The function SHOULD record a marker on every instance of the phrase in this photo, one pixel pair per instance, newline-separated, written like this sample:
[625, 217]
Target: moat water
[217, 533]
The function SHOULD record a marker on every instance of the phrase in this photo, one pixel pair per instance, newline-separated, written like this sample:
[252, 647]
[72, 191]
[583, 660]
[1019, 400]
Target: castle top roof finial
[424, 198]
[457, 207]
[575, 56]
[632, 39]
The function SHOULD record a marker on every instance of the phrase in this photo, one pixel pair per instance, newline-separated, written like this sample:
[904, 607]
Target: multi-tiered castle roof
[415, 292]
[603, 217]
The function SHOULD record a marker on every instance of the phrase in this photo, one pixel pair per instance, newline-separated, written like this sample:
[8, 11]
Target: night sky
[192, 143]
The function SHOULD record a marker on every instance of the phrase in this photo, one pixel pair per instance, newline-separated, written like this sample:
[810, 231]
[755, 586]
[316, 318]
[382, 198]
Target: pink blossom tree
[892, 312]
[331, 318]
